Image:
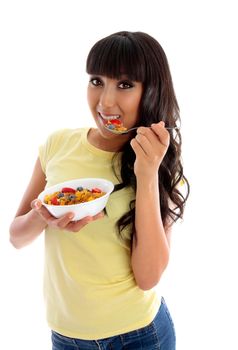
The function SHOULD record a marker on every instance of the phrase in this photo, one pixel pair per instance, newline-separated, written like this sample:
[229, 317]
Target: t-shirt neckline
[93, 149]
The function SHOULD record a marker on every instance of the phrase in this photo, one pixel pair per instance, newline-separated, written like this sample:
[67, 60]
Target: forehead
[116, 64]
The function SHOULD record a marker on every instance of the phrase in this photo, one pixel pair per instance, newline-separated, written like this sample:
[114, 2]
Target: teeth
[109, 117]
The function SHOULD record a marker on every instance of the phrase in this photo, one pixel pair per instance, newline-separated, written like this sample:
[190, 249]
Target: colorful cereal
[115, 125]
[69, 196]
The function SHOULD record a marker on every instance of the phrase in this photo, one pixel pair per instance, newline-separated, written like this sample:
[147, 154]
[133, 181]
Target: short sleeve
[49, 148]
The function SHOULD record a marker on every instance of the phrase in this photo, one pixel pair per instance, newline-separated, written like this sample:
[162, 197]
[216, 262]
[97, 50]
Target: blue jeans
[158, 335]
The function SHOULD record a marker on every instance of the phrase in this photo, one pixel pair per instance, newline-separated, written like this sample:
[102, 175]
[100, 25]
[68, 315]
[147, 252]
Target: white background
[44, 45]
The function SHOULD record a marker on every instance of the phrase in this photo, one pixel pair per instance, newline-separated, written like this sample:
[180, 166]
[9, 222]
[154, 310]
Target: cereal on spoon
[115, 125]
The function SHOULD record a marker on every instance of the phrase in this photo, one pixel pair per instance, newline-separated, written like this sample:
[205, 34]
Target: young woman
[100, 272]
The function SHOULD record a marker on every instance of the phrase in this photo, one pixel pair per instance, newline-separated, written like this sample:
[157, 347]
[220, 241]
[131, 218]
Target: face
[114, 99]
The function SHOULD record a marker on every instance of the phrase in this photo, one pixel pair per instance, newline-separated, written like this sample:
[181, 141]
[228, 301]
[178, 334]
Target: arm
[150, 251]
[27, 224]
[32, 218]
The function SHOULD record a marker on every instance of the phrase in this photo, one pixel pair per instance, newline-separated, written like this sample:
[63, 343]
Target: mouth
[107, 118]
[112, 122]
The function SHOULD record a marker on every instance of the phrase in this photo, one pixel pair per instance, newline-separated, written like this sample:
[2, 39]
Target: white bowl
[82, 209]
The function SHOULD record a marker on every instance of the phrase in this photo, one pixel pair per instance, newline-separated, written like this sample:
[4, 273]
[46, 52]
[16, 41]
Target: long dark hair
[141, 58]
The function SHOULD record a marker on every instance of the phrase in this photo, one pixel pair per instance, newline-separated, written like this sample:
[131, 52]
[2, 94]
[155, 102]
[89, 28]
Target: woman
[100, 274]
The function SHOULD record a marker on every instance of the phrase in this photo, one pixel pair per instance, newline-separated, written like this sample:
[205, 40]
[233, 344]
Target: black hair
[140, 57]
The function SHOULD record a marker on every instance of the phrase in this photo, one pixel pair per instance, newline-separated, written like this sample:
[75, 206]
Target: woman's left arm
[150, 251]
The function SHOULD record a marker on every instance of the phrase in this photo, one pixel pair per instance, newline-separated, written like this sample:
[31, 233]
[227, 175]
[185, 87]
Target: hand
[64, 222]
[150, 146]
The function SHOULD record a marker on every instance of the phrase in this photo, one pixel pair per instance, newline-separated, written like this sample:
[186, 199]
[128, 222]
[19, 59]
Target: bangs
[117, 55]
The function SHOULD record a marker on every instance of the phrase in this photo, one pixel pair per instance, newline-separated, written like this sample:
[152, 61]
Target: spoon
[131, 129]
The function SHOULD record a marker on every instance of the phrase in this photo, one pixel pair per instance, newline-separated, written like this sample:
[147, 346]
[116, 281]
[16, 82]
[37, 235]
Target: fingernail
[37, 205]
[71, 216]
[162, 123]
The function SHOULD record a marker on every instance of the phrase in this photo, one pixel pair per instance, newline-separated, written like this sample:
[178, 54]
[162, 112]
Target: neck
[113, 144]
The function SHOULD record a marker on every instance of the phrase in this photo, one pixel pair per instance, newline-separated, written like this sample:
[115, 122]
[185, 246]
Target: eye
[125, 84]
[95, 81]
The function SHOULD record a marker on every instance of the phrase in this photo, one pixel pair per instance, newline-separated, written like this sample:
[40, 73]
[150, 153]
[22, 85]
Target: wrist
[33, 217]
[147, 181]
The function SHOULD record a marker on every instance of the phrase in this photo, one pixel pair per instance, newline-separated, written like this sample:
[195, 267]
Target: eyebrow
[121, 78]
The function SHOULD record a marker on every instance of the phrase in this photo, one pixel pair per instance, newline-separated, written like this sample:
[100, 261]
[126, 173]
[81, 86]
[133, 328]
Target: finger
[36, 204]
[50, 219]
[150, 135]
[42, 211]
[153, 143]
[137, 148]
[162, 133]
[98, 216]
[145, 143]
[61, 222]
[66, 221]
[76, 226]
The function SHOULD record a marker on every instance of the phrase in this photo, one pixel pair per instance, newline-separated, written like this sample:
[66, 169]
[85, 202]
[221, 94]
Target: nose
[107, 97]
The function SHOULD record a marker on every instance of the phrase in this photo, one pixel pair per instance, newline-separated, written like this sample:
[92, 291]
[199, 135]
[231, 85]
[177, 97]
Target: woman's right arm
[28, 224]
[32, 217]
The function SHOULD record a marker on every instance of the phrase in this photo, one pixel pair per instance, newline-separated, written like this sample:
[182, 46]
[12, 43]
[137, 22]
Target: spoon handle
[135, 128]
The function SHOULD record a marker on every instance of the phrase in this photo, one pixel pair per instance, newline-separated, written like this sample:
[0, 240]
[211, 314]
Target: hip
[158, 335]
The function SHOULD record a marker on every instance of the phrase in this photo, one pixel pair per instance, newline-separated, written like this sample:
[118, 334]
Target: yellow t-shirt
[89, 287]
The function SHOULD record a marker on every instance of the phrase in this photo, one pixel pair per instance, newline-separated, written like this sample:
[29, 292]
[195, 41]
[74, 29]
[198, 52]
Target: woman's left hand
[150, 146]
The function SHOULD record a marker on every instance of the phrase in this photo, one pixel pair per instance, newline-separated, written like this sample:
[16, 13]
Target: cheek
[133, 105]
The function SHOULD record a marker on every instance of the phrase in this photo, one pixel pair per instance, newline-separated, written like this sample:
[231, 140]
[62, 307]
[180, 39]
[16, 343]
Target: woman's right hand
[64, 222]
